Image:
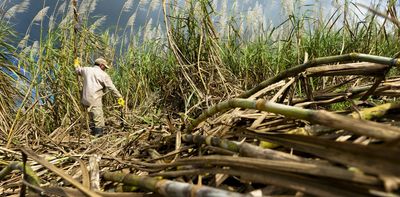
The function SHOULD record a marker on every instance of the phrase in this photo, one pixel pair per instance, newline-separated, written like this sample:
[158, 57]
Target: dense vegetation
[177, 69]
[206, 61]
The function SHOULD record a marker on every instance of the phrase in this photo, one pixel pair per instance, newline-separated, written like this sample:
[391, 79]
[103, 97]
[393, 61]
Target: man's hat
[99, 61]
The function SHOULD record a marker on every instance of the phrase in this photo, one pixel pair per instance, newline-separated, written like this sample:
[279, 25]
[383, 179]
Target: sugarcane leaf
[372, 158]
[315, 169]
[85, 173]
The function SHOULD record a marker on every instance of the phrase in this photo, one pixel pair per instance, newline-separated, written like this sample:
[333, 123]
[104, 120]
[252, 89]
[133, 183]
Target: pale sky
[268, 12]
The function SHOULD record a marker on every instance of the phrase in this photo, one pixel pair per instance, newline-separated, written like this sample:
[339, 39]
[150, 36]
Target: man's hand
[76, 62]
[121, 102]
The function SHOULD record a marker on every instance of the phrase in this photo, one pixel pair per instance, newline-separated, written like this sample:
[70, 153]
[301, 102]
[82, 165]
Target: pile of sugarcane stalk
[280, 138]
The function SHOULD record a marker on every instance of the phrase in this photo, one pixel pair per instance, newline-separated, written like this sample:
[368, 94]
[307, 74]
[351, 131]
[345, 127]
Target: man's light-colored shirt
[95, 82]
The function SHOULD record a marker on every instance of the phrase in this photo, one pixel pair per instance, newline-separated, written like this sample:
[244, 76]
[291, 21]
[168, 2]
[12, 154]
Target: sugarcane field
[200, 98]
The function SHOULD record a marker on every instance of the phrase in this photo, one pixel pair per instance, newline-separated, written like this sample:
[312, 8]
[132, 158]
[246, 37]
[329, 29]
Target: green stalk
[15, 165]
[375, 112]
[244, 148]
[166, 187]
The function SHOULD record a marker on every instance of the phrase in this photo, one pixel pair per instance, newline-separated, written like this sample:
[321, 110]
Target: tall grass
[12, 88]
[197, 63]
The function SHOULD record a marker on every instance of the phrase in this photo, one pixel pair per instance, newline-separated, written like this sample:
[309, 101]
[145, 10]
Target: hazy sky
[109, 8]
[272, 11]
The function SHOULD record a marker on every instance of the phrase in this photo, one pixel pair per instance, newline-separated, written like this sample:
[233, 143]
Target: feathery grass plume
[92, 6]
[154, 32]
[68, 17]
[51, 23]
[128, 6]
[175, 9]
[143, 3]
[16, 9]
[26, 50]
[148, 33]
[159, 33]
[154, 5]
[125, 38]
[235, 8]
[65, 20]
[197, 8]
[254, 20]
[249, 20]
[35, 48]
[223, 21]
[23, 42]
[83, 7]
[131, 20]
[224, 7]
[99, 22]
[61, 9]
[40, 15]
[113, 39]
[87, 7]
[264, 20]
[287, 7]
[135, 38]
[242, 26]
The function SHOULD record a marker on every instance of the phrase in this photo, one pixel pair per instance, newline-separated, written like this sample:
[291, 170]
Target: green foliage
[196, 66]
[340, 106]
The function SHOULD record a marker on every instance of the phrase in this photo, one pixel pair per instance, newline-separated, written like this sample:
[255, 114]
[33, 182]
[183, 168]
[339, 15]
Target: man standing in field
[95, 83]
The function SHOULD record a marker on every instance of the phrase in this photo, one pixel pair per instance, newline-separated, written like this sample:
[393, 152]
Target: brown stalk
[320, 170]
[361, 127]
[361, 68]
[244, 148]
[304, 184]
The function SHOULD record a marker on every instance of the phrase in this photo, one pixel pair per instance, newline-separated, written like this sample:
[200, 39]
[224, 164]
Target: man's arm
[110, 85]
